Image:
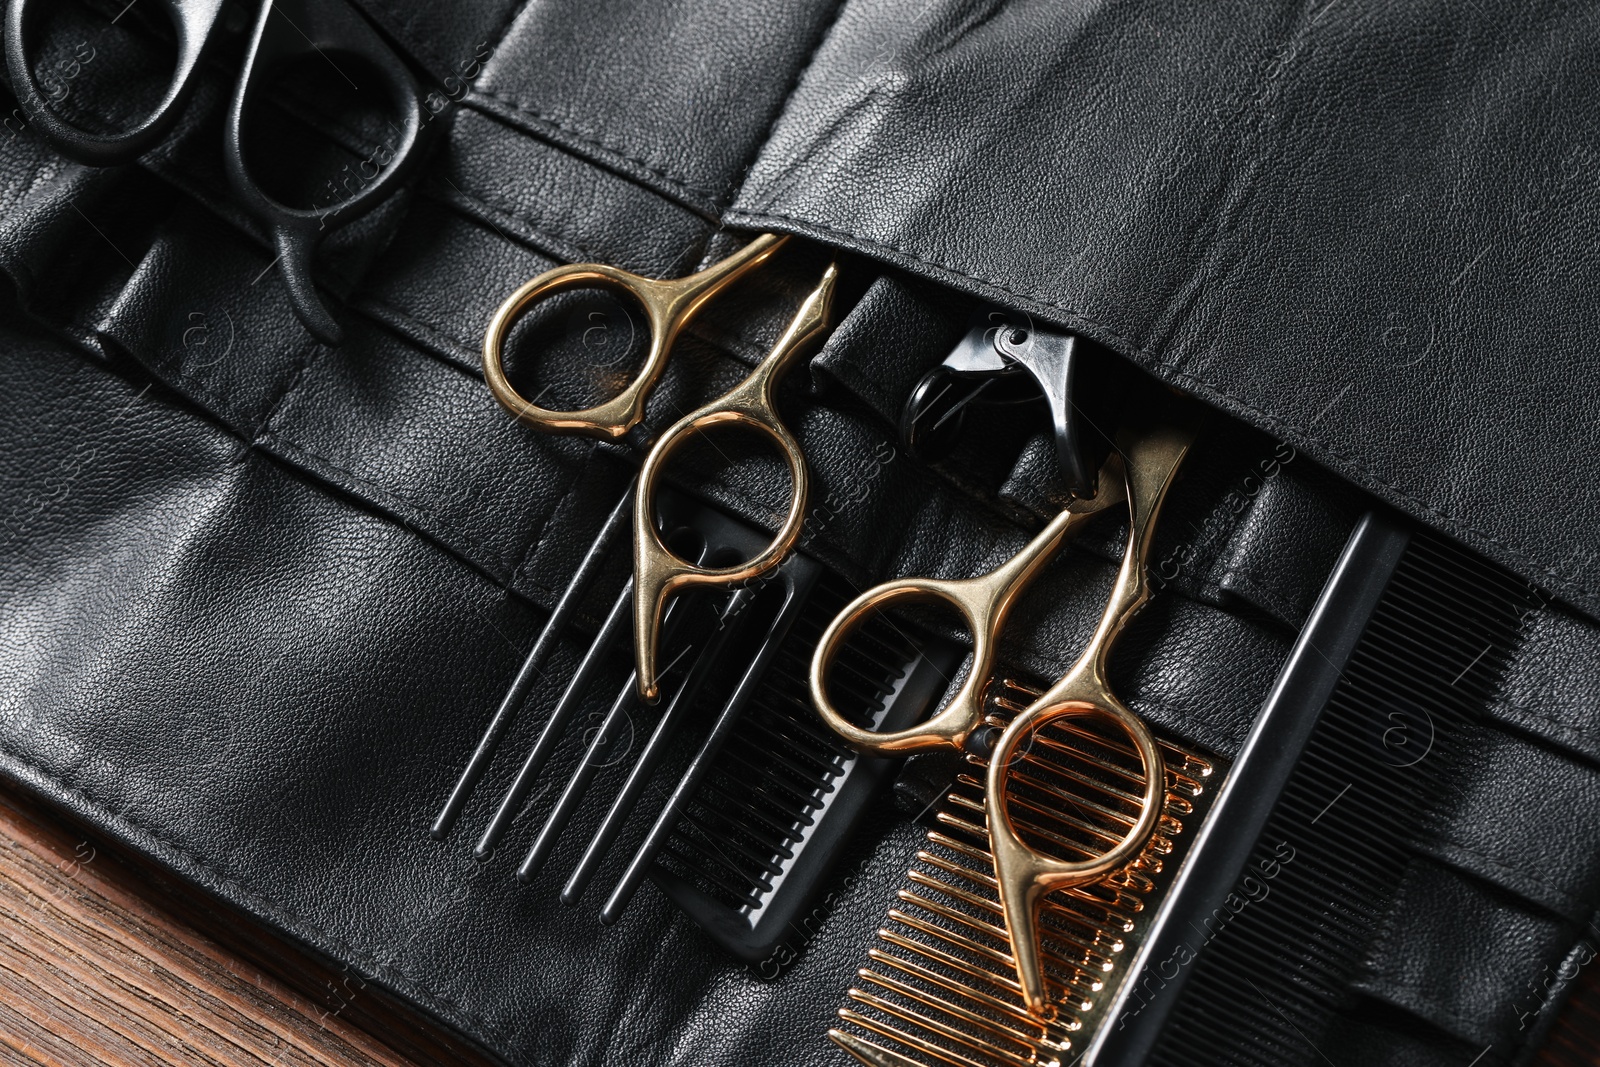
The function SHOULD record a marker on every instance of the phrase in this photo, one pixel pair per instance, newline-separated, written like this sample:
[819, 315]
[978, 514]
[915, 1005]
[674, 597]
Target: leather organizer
[259, 596]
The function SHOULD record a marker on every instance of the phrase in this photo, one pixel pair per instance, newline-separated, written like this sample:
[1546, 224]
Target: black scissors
[283, 31]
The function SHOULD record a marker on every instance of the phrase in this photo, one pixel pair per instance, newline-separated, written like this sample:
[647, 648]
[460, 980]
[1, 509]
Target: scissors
[669, 306]
[283, 31]
[1139, 471]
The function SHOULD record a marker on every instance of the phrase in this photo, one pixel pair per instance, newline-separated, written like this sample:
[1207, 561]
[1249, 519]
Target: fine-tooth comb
[940, 986]
[1360, 743]
[751, 798]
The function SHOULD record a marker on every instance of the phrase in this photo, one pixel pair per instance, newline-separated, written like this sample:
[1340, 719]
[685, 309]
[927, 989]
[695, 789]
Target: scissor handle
[194, 25]
[658, 572]
[1151, 458]
[1023, 875]
[668, 306]
[285, 31]
[982, 602]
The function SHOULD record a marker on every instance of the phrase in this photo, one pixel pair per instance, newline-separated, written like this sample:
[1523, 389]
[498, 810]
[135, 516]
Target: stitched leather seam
[436, 343]
[536, 538]
[302, 364]
[392, 974]
[1554, 719]
[432, 340]
[1513, 548]
[553, 244]
[685, 189]
[400, 504]
[1448, 850]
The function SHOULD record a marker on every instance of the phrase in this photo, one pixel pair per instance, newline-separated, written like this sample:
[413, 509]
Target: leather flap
[1366, 228]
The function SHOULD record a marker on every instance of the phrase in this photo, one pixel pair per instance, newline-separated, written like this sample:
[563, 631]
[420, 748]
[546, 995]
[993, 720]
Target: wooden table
[102, 964]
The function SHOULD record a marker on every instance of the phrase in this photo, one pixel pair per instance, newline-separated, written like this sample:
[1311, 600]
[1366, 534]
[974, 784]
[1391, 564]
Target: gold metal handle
[1023, 875]
[983, 603]
[668, 306]
[657, 573]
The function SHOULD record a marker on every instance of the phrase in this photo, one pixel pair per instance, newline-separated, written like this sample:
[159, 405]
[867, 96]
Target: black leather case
[259, 596]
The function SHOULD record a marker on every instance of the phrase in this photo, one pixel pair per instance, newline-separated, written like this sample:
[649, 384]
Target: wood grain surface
[102, 964]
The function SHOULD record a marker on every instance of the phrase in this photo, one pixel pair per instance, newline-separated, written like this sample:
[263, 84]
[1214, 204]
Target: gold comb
[940, 986]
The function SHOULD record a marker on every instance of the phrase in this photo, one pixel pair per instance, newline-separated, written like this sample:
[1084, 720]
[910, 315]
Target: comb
[1354, 749]
[939, 986]
[752, 799]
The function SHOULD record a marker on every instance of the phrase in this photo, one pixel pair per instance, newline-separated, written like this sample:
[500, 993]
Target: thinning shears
[1139, 471]
[669, 306]
[283, 31]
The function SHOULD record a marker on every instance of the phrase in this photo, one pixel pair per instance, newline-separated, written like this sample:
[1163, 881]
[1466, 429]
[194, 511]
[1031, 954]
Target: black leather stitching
[693, 196]
[1132, 348]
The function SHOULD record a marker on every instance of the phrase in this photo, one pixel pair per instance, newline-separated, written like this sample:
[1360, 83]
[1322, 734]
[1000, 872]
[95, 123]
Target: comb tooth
[1089, 949]
[1097, 924]
[1024, 804]
[1064, 844]
[784, 737]
[960, 941]
[1119, 902]
[934, 1024]
[941, 988]
[1436, 641]
[867, 1052]
[720, 827]
[910, 1041]
[531, 670]
[785, 771]
[873, 645]
[977, 831]
[817, 736]
[769, 783]
[779, 845]
[1074, 980]
[1193, 766]
[555, 726]
[1086, 968]
[788, 831]
[1005, 982]
[953, 986]
[1125, 795]
[759, 858]
[1131, 773]
[707, 865]
[953, 1008]
[990, 930]
[1067, 843]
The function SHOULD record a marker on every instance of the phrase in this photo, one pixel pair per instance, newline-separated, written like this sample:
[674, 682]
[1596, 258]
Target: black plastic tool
[727, 793]
[1358, 745]
[1005, 359]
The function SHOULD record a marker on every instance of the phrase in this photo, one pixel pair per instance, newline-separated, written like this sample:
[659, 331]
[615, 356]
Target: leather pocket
[1316, 218]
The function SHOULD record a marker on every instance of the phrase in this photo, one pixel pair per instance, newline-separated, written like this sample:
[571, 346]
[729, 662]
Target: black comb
[1352, 753]
[751, 797]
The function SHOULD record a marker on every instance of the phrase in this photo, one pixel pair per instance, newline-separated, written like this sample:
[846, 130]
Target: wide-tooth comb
[757, 796]
[940, 986]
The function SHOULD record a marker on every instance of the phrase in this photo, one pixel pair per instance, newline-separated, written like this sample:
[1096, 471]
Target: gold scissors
[670, 305]
[1140, 471]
